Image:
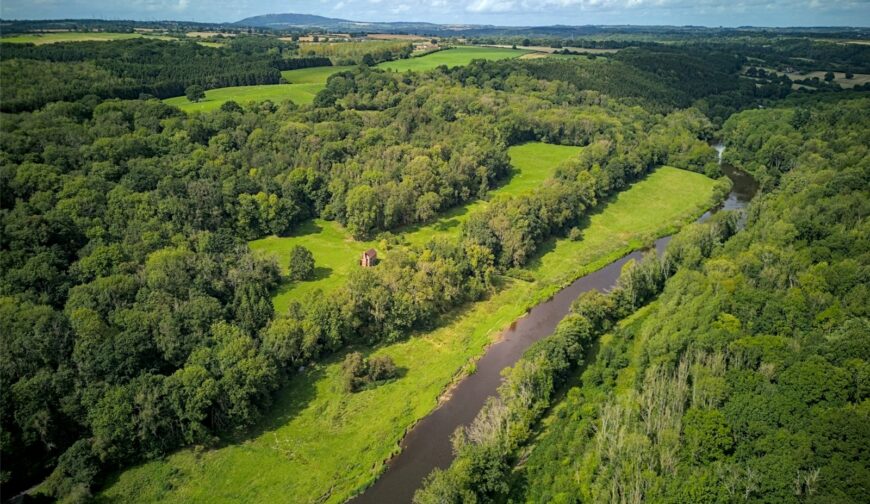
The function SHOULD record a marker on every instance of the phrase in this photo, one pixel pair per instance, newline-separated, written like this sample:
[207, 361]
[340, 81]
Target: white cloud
[491, 6]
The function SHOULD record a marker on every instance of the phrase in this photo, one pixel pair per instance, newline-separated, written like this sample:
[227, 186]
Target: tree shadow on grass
[286, 285]
[309, 227]
[445, 222]
[320, 273]
[582, 224]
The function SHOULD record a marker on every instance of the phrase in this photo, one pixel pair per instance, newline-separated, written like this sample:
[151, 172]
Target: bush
[353, 371]
[575, 234]
[381, 368]
[358, 373]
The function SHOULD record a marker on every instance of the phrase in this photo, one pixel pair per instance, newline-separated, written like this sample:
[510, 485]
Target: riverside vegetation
[745, 381]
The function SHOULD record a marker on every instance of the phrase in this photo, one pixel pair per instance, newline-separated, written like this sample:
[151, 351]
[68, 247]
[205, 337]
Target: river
[428, 446]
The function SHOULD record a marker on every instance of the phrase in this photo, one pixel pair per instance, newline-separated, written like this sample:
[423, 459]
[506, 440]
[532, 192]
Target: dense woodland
[125, 221]
[746, 381]
[34, 75]
[135, 319]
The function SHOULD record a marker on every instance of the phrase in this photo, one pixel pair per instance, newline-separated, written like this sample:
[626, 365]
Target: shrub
[381, 368]
[575, 234]
[353, 371]
[358, 372]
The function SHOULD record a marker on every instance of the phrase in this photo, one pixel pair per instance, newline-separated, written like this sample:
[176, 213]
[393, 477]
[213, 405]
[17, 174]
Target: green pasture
[456, 56]
[300, 94]
[532, 163]
[305, 83]
[321, 444]
[313, 75]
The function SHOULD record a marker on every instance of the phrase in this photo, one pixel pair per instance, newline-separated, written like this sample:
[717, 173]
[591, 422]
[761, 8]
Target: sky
[496, 12]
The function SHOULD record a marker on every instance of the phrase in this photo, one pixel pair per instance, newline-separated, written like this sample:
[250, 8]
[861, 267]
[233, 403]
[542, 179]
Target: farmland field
[305, 83]
[300, 94]
[322, 444]
[313, 75]
[457, 56]
[51, 38]
[336, 253]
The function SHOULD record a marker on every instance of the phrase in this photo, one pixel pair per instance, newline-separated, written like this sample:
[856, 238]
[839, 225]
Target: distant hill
[308, 21]
[290, 20]
[283, 21]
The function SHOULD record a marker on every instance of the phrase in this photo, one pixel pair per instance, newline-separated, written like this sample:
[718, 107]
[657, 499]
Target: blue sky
[500, 12]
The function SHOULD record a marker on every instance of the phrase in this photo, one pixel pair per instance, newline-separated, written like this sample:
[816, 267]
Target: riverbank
[321, 444]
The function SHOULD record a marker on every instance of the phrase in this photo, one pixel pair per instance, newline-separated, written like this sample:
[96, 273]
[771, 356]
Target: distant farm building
[369, 258]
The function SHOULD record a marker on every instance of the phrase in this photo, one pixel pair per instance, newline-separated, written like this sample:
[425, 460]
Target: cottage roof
[370, 253]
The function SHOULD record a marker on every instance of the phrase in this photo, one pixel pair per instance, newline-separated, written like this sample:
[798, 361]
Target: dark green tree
[301, 265]
[194, 93]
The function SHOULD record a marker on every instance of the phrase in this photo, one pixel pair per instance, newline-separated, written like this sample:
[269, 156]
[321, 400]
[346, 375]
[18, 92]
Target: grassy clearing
[301, 94]
[839, 77]
[320, 444]
[551, 50]
[305, 83]
[313, 75]
[533, 163]
[55, 37]
[336, 253]
[457, 56]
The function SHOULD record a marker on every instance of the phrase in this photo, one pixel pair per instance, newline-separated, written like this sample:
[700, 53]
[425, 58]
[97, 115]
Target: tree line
[34, 75]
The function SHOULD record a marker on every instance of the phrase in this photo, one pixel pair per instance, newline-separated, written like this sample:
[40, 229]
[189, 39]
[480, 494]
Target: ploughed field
[304, 83]
[321, 444]
[336, 254]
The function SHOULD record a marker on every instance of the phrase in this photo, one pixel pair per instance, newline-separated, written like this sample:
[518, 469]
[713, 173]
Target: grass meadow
[313, 75]
[320, 444]
[301, 94]
[456, 56]
[336, 253]
[305, 83]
